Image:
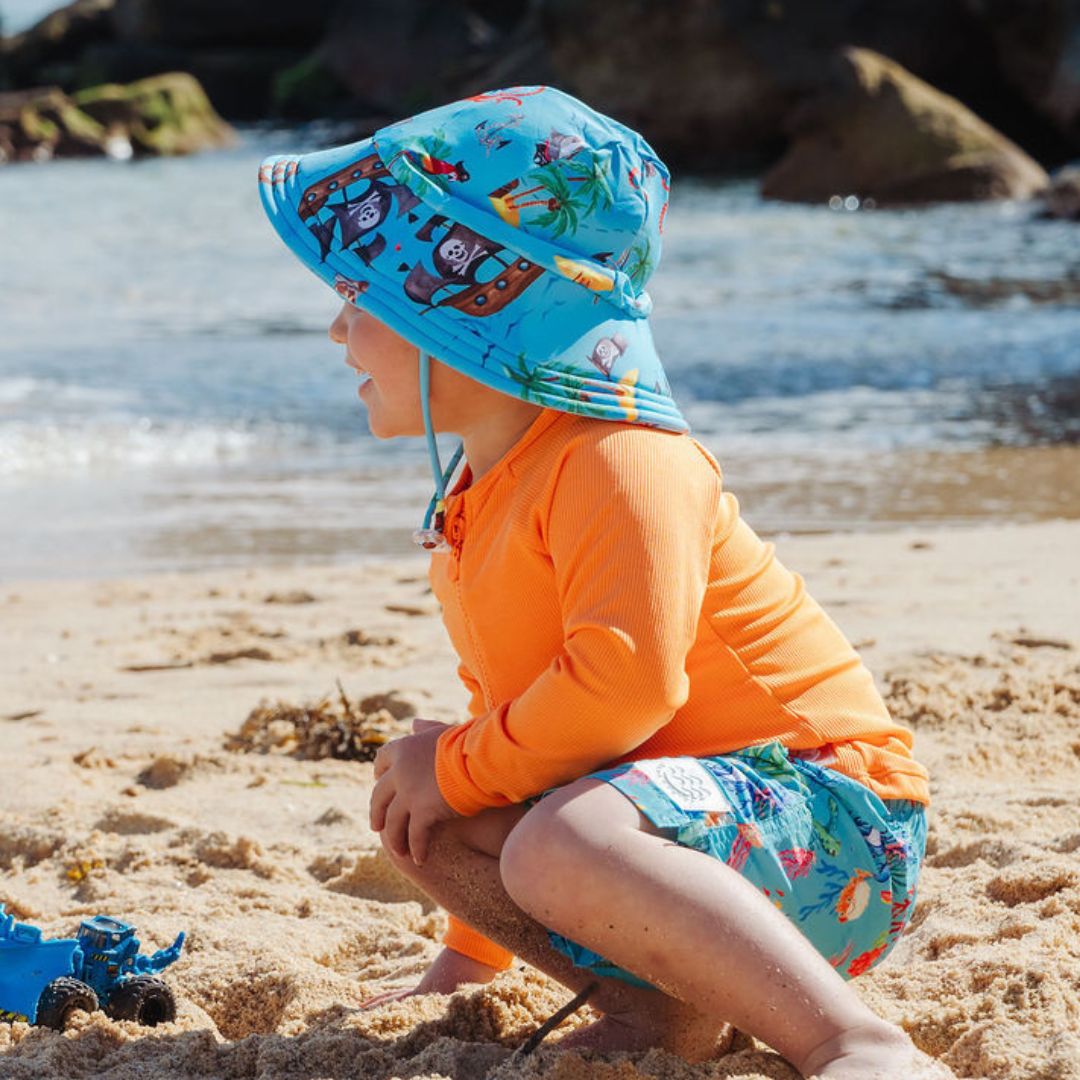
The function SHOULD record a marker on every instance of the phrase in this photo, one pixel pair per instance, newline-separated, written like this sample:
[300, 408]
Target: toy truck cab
[125, 982]
[109, 948]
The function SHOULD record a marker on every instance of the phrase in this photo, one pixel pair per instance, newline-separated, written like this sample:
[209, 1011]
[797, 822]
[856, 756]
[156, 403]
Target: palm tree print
[562, 203]
[592, 175]
[638, 263]
[534, 384]
[561, 215]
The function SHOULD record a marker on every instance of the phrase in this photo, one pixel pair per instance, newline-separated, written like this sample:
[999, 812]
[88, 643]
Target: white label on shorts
[687, 782]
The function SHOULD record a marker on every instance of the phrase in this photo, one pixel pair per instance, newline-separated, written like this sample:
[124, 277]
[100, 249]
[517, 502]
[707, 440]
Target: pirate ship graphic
[463, 259]
[359, 214]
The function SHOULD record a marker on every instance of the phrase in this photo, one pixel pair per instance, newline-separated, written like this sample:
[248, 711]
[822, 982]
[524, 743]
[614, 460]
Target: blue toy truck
[43, 982]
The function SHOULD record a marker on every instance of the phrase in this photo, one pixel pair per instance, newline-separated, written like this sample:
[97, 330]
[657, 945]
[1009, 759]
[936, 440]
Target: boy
[678, 780]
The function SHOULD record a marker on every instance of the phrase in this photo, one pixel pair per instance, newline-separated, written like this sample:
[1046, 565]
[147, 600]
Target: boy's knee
[523, 864]
[547, 847]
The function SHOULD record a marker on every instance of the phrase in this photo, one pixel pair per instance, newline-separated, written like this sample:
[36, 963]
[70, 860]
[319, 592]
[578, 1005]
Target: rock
[59, 38]
[39, 124]
[1062, 198]
[1037, 45]
[707, 91]
[235, 57]
[874, 130]
[710, 83]
[200, 24]
[165, 114]
[365, 44]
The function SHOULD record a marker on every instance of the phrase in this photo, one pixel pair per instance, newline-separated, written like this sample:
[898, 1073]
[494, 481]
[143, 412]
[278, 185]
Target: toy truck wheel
[61, 998]
[144, 999]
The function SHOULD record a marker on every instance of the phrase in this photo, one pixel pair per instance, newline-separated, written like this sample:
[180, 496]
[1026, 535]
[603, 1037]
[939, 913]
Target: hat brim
[535, 348]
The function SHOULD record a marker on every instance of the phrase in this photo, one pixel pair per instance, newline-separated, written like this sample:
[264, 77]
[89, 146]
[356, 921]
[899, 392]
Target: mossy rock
[43, 122]
[874, 130]
[164, 114]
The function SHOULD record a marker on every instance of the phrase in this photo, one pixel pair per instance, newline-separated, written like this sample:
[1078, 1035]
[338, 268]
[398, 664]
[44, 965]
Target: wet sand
[146, 521]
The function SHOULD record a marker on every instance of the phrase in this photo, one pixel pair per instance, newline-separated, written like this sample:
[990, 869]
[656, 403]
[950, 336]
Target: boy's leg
[586, 863]
[462, 874]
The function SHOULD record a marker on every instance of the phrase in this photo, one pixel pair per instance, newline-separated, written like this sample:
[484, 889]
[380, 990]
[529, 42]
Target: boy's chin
[384, 430]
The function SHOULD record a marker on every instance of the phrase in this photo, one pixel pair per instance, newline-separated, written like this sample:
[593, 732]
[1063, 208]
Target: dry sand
[117, 795]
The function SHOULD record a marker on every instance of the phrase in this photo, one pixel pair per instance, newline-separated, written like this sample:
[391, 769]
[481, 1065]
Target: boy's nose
[339, 328]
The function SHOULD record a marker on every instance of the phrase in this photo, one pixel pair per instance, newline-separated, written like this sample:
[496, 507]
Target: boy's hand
[406, 801]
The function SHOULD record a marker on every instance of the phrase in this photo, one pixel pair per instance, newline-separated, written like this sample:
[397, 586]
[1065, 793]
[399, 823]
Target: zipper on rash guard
[456, 535]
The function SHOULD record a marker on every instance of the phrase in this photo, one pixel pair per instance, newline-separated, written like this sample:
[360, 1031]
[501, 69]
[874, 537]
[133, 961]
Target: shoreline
[124, 526]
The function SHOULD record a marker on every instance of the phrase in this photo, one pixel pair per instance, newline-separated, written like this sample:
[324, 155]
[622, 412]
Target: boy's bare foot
[883, 1053]
[449, 970]
[690, 1036]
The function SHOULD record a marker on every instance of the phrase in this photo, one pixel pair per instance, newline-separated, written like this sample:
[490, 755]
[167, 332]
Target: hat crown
[538, 160]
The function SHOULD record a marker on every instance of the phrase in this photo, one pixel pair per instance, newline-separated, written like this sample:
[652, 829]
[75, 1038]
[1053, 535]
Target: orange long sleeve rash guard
[608, 603]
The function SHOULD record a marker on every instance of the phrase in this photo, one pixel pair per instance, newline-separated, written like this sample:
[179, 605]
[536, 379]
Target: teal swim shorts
[841, 863]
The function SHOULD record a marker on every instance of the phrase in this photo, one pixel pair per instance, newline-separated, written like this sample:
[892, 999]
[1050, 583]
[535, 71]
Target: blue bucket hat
[510, 235]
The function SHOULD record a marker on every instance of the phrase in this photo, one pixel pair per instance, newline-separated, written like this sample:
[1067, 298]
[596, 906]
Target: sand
[118, 794]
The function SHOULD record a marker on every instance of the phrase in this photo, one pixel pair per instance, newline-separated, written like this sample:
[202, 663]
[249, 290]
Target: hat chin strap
[427, 537]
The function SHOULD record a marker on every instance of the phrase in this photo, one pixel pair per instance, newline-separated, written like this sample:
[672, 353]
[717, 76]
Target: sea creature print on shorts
[848, 896]
[797, 861]
[830, 844]
[887, 852]
[746, 838]
[854, 897]
[865, 961]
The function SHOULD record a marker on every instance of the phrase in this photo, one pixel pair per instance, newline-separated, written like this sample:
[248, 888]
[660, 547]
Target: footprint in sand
[409, 609]
[291, 596]
[239, 637]
[132, 822]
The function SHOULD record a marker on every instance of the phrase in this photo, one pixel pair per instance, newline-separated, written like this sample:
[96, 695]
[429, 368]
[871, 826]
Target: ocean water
[169, 397]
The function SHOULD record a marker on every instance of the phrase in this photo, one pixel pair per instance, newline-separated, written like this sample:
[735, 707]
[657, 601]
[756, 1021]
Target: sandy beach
[130, 785]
